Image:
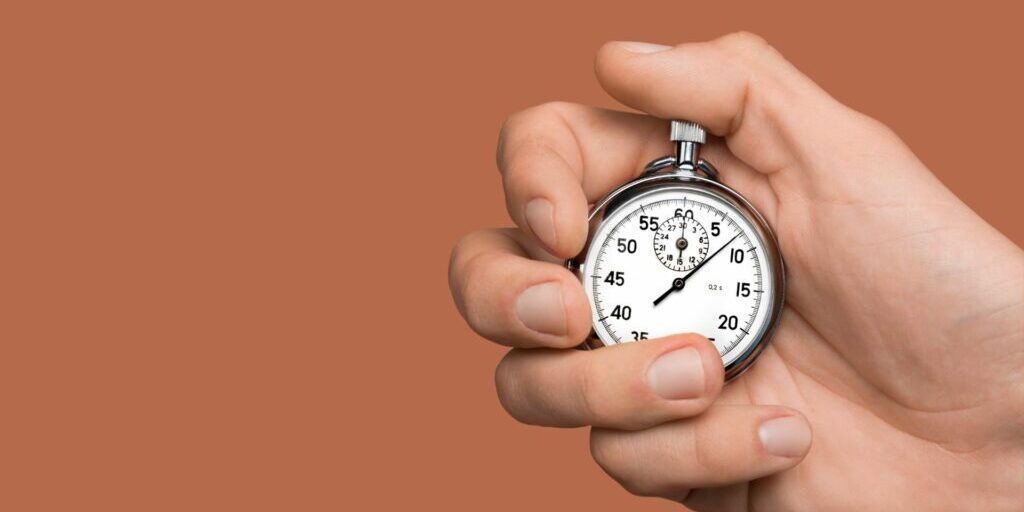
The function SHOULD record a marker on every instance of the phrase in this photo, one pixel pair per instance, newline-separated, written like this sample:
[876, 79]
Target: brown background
[225, 231]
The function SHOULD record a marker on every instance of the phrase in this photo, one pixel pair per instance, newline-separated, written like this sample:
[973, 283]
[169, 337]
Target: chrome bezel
[688, 180]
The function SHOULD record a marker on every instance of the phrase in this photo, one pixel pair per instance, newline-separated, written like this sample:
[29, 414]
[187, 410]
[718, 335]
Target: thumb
[737, 86]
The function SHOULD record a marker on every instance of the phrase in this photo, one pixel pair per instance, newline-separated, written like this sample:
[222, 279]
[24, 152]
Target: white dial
[675, 260]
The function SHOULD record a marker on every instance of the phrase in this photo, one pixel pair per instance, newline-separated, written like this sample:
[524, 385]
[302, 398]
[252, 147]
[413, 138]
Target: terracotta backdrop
[225, 226]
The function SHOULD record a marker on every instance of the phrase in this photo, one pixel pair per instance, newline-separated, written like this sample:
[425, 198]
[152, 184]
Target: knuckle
[550, 109]
[876, 128]
[471, 289]
[529, 125]
[611, 451]
[507, 385]
[509, 125]
[533, 115]
[606, 450]
[455, 271]
[641, 487]
[458, 255]
[512, 130]
[506, 132]
[746, 43]
[540, 130]
[746, 48]
[703, 453]
[592, 405]
[864, 128]
[474, 272]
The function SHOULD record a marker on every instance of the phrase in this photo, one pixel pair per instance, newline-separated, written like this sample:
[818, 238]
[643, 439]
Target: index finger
[557, 158]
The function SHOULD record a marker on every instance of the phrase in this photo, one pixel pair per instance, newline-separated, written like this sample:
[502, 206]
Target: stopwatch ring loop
[659, 163]
[708, 169]
[669, 161]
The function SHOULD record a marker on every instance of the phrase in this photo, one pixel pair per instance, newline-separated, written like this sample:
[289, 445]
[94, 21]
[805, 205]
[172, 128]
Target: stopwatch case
[689, 181]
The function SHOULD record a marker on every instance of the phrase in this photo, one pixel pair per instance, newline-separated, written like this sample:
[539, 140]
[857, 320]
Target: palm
[865, 346]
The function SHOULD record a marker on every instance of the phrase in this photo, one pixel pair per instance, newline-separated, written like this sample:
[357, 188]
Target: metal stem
[687, 154]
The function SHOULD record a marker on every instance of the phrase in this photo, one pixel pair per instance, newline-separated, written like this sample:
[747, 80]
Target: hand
[901, 347]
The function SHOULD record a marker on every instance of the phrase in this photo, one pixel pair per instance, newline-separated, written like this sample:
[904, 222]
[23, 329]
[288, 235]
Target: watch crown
[686, 131]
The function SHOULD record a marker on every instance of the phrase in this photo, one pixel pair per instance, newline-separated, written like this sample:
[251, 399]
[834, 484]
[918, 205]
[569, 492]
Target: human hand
[901, 346]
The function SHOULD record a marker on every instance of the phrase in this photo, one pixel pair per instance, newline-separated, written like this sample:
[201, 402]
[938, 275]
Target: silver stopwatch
[676, 251]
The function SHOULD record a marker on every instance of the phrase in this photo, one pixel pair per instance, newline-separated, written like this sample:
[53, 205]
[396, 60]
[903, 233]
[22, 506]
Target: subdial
[681, 243]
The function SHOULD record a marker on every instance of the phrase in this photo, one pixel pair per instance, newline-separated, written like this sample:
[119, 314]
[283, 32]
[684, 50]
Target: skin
[901, 345]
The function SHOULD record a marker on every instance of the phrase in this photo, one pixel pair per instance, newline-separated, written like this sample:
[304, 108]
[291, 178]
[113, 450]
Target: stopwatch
[676, 251]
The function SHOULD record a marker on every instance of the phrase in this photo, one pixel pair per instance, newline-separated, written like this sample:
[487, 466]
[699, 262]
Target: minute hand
[706, 260]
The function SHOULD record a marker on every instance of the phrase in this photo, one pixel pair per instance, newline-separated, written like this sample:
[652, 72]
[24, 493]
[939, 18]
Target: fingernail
[788, 436]
[677, 375]
[638, 47]
[540, 215]
[541, 308]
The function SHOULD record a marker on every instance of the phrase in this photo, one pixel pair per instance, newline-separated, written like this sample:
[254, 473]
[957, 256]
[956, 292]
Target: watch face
[679, 259]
